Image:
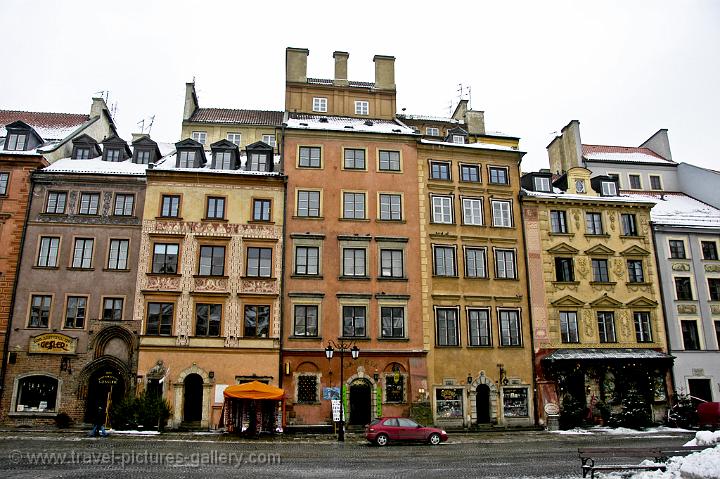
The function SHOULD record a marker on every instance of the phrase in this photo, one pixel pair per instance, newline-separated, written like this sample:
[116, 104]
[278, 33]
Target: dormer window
[320, 104]
[16, 142]
[112, 155]
[186, 159]
[142, 157]
[542, 183]
[432, 131]
[458, 139]
[609, 188]
[258, 162]
[223, 160]
[82, 154]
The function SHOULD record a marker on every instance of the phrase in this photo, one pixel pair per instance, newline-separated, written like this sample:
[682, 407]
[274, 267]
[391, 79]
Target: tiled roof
[327, 81]
[243, 117]
[625, 154]
[50, 126]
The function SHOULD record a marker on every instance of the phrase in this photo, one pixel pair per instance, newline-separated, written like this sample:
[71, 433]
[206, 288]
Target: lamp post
[341, 346]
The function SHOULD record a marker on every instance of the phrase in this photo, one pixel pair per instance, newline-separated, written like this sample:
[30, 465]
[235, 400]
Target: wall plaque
[52, 343]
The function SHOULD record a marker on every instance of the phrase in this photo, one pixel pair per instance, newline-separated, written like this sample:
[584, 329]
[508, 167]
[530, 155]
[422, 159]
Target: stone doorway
[360, 402]
[100, 389]
[482, 404]
[192, 398]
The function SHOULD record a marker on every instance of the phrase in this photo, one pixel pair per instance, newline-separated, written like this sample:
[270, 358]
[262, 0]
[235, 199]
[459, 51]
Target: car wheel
[381, 440]
[434, 439]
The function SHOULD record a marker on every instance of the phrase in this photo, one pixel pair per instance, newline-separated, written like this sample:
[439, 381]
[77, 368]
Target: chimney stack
[296, 64]
[341, 73]
[384, 72]
[659, 143]
[137, 136]
[191, 101]
[97, 107]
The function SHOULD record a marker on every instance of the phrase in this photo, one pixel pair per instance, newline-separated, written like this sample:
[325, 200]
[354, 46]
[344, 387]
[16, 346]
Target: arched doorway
[192, 398]
[360, 401]
[105, 382]
[482, 404]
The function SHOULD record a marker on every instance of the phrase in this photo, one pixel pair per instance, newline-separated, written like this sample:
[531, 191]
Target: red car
[385, 429]
[709, 415]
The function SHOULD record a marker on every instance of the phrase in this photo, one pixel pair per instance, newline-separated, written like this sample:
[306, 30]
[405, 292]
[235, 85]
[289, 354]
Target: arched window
[36, 393]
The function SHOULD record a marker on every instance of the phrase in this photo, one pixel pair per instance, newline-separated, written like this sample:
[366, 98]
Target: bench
[658, 454]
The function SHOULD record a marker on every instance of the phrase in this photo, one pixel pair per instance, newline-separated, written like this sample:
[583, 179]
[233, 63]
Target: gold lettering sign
[52, 343]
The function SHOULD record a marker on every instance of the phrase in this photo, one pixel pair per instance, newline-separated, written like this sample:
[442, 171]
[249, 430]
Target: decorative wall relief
[611, 216]
[582, 267]
[258, 286]
[163, 283]
[687, 309]
[576, 218]
[619, 268]
[625, 323]
[715, 308]
[681, 267]
[588, 320]
[712, 268]
[107, 202]
[213, 285]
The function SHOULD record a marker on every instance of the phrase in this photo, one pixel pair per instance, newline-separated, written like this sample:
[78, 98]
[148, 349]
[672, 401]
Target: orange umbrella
[254, 390]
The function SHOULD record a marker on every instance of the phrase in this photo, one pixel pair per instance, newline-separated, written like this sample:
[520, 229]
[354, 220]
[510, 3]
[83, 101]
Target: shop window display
[448, 403]
[515, 402]
[36, 393]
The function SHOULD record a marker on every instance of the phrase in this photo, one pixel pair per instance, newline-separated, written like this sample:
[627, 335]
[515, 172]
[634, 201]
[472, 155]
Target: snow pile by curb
[134, 432]
[705, 438]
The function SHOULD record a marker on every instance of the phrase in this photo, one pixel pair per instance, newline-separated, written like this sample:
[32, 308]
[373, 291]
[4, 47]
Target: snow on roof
[560, 194]
[352, 83]
[50, 126]
[97, 166]
[622, 154]
[341, 123]
[430, 118]
[678, 209]
[477, 145]
[168, 164]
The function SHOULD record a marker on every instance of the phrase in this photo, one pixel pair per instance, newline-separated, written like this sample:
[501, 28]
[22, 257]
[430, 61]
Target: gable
[642, 302]
[223, 144]
[568, 301]
[606, 301]
[635, 251]
[259, 145]
[599, 249]
[563, 248]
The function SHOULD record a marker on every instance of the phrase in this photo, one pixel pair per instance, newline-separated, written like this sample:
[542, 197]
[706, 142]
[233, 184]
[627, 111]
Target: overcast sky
[623, 69]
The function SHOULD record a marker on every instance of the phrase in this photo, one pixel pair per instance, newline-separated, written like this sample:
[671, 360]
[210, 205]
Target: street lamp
[341, 346]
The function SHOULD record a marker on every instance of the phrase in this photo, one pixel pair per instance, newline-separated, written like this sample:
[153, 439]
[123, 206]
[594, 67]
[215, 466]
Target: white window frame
[442, 209]
[200, 136]
[269, 139]
[319, 104]
[500, 220]
[606, 190]
[362, 107]
[458, 139]
[432, 131]
[472, 209]
[484, 262]
[445, 266]
[231, 138]
[542, 183]
[504, 268]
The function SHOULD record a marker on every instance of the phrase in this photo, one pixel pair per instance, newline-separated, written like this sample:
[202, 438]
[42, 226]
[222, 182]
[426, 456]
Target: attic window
[608, 188]
[16, 142]
[82, 154]
[259, 162]
[142, 157]
[459, 139]
[112, 155]
[186, 159]
[542, 183]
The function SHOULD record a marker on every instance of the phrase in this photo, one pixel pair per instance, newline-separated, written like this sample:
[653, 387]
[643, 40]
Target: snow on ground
[621, 431]
[134, 432]
[705, 438]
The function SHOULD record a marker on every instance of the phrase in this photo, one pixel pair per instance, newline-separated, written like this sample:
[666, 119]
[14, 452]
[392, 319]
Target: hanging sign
[52, 343]
[336, 409]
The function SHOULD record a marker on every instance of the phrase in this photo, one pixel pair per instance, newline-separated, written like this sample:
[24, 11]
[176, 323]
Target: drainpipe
[281, 371]
[662, 300]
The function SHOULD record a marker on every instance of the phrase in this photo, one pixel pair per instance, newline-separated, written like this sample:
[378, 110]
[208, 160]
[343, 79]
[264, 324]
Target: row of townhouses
[262, 239]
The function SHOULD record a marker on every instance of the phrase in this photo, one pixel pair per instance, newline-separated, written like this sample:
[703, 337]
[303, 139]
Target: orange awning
[254, 390]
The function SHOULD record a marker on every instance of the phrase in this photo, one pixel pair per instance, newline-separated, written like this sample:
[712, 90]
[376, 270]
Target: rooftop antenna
[113, 110]
[469, 93]
[152, 120]
[141, 124]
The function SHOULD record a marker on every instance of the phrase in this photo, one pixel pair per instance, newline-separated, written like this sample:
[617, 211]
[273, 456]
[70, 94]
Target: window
[307, 389]
[235, 138]
[82, 154]
[354, 262]
[48, 252]
[683, 289]
[542, 183]
[261, 210]
[442, 209]
[606, 326]
[36, 393]
[391, 263]
[308, 204]
[432, 131]
[124, 204]
[635, 182]
[142, 157]
[112, 154]
[509, 328]
[600, 271]
[354, 159]
[199, 136]
[170, 206]
[16, 142]
[444, 261]
[390, 207]
[439, 170]
[479, 327]
[569, 327]
[269, 140]
[223, 160]
[165, 258]
[677, 249]
[118, 254]
[502, 214]
[472, 211]
[320, 104]
[82, 253]
[56, 202]
[306, 320]
[609, 188]
[458, 139]
[212, 261]
[207, 319]
[309, 157]
[4, 180]
[470, 173]
[593, 223]
[186, 159]
[564, 270]
[259, 262]
[354, 206]
[361, 108]
[505, 264]
[498, 176]
[389, 160]
[159, 319]
[655, 182]
[643, 333]
[306, 260]
[447, 327]
[75, 312]
[558, 223]
[475, 263]
[259, 162]
[257, 321]
[392, 321]
[635, 271]
[709, 250]
[353, 321]
[112, 309]
[394, 393]
[40, 311]
[215, 209]
[629, 225]
[691, 340]
[89, 203]
[714, 288]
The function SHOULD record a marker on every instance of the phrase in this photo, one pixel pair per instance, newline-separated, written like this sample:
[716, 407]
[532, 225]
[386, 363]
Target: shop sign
[336, 409]
[52, 343]
[331, 393]
[108, 379]
[552, 409]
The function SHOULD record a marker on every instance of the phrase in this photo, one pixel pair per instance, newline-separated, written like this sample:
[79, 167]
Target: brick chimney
[341, 71]
[565, 151]
[384, 72]
[191, 101]
[296, 64]
[97, 107]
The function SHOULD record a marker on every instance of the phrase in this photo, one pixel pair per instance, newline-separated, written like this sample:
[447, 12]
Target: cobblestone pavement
[39, 455]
